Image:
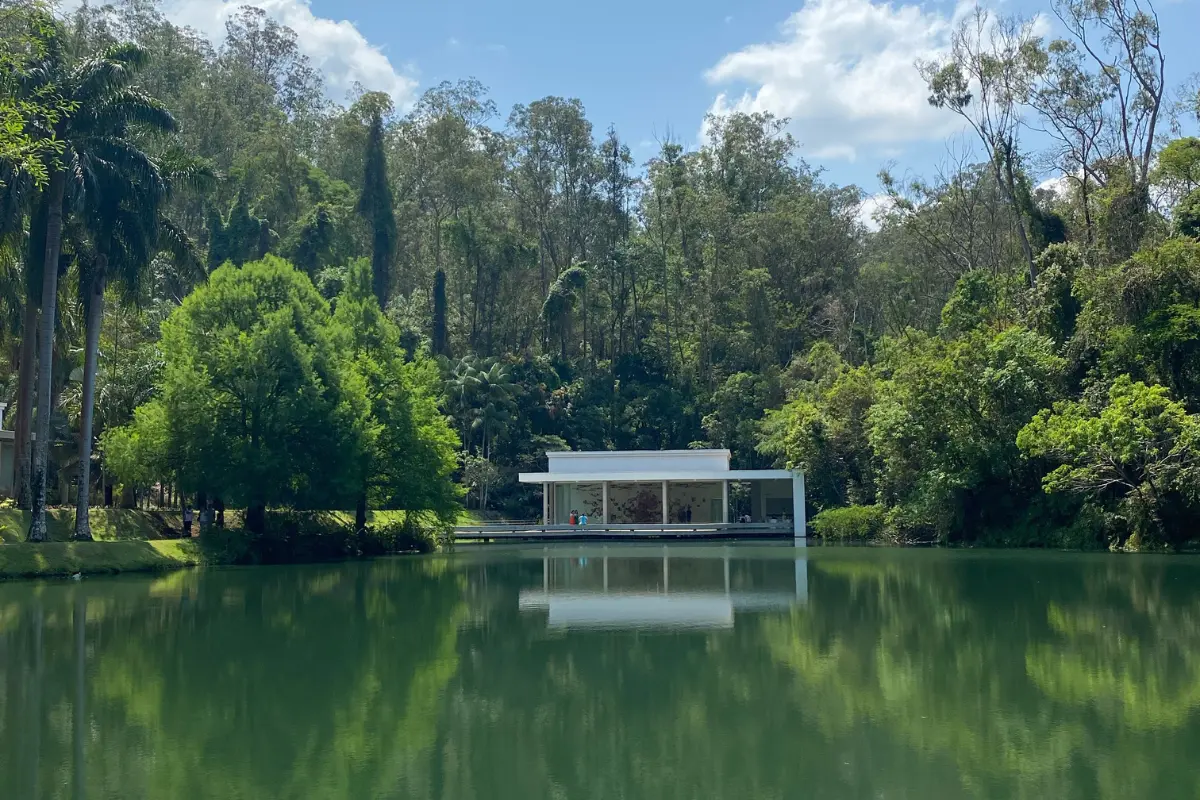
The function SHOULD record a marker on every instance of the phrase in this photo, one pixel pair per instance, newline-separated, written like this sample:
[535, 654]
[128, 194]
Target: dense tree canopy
[531, 281]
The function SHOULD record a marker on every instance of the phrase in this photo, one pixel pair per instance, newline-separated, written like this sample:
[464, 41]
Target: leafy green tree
[824, 430]
[1139, 451]
[411, 448]
[945, 422]
[1143, 318]
[1187, 215]
[261, 403]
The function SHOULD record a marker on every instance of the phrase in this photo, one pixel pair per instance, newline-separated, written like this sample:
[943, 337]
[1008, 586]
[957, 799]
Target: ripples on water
[611, 672]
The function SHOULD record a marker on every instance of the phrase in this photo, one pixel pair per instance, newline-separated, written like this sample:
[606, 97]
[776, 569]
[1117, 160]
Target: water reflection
[600, 672]
[648, 588]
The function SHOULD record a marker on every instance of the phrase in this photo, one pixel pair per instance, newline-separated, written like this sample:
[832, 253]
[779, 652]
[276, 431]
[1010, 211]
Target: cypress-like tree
[375, 205]
[440, 345]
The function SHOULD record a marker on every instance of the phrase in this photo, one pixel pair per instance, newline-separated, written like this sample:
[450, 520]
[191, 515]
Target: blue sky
[841, 69]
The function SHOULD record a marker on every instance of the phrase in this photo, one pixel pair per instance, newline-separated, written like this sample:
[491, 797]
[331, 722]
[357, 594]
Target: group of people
[209, 513]
[578, 519]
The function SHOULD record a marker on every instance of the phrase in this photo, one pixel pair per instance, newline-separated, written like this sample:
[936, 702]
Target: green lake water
[621, 672]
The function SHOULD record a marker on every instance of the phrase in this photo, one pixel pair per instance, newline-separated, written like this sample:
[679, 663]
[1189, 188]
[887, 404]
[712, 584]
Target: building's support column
[724, 501]
[545, 503]
[666, 507]
[762, 501]
[666, 572]
[802, 581]
[799, 520]
[604, 507]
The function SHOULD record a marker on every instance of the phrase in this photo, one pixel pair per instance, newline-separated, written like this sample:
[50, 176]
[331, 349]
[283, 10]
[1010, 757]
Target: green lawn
[108, 524]
[127, 540]
[66, 558]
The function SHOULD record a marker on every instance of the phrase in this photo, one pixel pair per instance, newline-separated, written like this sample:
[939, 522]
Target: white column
[724, 501]
[604, 505]
[545, 504]
[666, 507]
[799, 521]
[762, 501]
[666, 572]
[802, 581]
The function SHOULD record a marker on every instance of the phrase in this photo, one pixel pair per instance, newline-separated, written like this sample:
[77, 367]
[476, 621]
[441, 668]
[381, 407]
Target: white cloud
[336, 47]
[1058, 184]
[844, 72]
[871, 206]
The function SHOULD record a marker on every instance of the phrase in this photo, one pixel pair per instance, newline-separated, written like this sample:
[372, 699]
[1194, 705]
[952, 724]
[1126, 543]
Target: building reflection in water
[618, 587]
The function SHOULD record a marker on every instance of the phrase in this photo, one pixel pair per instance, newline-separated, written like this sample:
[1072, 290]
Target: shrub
[849, 523]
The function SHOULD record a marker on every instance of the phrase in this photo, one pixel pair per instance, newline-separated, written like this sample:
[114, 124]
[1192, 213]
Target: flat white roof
[630, 466]
[650, 476]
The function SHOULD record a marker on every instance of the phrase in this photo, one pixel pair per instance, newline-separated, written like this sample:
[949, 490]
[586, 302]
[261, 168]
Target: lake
[627, 671]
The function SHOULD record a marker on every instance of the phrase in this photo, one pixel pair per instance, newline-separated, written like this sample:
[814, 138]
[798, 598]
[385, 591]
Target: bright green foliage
[852, 523]
[261, 405]
[1139, 452]
[410, 452]
[979, 300]
[138, 453]
[824, 431]
[944, 427]
[1053, 306]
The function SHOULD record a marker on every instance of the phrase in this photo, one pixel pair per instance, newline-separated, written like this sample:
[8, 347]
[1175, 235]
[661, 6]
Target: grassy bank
[132, 540]
[56, 559]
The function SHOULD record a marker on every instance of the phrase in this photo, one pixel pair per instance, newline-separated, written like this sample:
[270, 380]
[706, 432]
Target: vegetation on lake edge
[255, 296]
[130, 540]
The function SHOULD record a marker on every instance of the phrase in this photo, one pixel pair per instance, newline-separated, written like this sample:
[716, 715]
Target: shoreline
[133, 540]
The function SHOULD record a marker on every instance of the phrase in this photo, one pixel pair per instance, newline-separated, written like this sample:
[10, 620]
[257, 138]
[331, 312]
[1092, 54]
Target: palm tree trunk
[83, 529]
[41, 442]
[24, 420]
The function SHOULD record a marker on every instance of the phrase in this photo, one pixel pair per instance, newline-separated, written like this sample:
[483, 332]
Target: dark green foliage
[238, 237]
[440, 346]
[375, 206]
[1187, 215]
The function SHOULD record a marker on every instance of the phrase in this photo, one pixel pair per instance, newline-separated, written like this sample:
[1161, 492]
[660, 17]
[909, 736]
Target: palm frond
[124, 157]
[109, 72]
[124, 108]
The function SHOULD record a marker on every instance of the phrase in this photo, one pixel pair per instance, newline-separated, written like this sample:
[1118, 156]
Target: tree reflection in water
[740, 672]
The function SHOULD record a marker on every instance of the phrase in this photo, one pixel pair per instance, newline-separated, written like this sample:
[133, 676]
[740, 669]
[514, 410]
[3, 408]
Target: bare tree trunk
[24, 420]
[83, 529]
[41, 442]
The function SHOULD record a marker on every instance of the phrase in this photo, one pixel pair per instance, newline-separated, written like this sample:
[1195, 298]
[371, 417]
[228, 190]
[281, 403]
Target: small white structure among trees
[636, 487]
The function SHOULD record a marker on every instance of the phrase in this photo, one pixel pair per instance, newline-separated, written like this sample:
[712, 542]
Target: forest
[238, 288]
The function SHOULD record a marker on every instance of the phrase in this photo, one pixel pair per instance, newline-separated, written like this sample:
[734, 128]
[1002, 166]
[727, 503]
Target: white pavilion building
[666, 487]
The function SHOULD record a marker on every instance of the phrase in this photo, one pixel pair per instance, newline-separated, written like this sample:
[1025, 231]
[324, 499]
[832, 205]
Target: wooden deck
[528, 532]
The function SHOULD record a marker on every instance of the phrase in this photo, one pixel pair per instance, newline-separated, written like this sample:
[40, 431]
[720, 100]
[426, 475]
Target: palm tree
[97, 148]
[126, 222]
